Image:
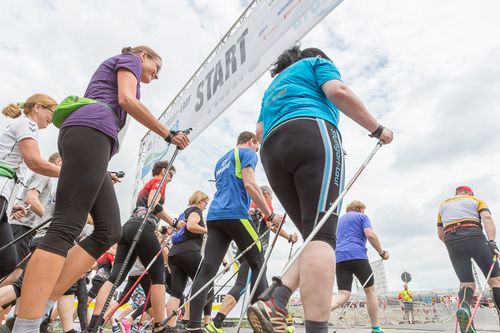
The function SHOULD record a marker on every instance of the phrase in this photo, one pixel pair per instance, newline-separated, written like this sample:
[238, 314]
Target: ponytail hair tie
[20, 104]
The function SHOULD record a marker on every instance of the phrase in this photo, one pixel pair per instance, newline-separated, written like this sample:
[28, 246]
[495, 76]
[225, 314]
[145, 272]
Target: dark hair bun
[127, 49]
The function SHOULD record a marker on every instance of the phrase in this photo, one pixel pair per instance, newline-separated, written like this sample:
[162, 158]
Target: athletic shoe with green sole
[211, 328]
[377, 331]
[463, 317]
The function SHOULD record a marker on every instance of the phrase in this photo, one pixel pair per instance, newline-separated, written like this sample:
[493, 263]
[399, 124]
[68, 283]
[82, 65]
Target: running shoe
[126, 326]
[377, 331]
[267, 317]
[463, 317]
[290, 329]
[211, 328]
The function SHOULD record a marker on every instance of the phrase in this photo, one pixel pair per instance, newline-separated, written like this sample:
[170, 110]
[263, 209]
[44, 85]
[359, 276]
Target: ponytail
[13, 110]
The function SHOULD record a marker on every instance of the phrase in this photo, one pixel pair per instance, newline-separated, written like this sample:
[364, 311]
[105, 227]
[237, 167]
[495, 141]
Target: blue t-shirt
[351, 238]
[231, 200]
[296, 92]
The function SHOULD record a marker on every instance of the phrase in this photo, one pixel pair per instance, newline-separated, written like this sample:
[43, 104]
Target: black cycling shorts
[304, 163]
[462, 251]
[357, 267]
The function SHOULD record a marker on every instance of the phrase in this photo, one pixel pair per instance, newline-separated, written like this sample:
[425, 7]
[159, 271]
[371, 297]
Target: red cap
[465, 188]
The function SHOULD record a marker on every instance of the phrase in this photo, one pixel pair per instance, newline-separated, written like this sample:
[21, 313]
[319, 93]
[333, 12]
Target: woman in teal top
[304, 163]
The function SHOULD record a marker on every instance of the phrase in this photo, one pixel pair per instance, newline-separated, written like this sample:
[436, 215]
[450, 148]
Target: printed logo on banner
[248, 51]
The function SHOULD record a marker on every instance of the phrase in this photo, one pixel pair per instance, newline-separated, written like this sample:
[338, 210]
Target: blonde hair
[13, 110]
[142, 48]
[54, 157]
[197, 197]
[355, 206]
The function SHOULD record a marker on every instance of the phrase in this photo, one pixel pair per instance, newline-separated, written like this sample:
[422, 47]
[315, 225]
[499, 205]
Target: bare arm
[254, 191]
[373, 239]
[260, 131]
[32, 198]
[193, 226]
[440, 231]
[31, 156]
[489, 225]
[340, 95]
[127, 89]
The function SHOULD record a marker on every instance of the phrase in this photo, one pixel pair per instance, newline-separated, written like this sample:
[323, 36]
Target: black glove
[164, 230]
[493, 247]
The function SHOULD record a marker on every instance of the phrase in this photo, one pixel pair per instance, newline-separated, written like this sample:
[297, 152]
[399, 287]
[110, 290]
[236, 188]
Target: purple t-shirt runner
[103, 87]
[351, 238]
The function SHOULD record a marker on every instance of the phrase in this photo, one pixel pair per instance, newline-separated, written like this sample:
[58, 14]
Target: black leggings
[84, 186]
[239, 287]
[220, 235]
[147, 247]
[182, 266]
[462, 251]
[307, 175]
[145, 284]
[8, 258]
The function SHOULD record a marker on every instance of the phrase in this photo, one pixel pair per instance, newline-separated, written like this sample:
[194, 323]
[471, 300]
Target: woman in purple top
[354, 229]
[87, 140]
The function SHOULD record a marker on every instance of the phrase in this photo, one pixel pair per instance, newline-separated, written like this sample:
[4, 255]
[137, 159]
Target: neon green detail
[237, 169]
[7, 171]
[248, 226]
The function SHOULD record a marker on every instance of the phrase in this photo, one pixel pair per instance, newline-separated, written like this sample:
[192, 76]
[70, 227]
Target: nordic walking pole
[495, 257]
[145, 306]
[44, 223]
[291, 249]
[220, 289]
[164, 244]
[261, 272]
[138, 234]
[344, 309]
[175, 312]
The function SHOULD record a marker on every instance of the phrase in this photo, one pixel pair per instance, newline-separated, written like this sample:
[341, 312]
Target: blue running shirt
[296, 92]
[351, 238]
[231, 200]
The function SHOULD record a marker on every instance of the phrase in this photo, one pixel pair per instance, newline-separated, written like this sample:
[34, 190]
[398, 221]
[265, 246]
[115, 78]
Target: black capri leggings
[84, 186]
[147, 247]
[182, 266]
[220, 235]
[239, 287]
[145, 284]
[307, 175]
[8, 258]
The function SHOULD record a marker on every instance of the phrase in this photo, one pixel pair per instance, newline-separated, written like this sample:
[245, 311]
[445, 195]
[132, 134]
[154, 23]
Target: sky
[426, 69]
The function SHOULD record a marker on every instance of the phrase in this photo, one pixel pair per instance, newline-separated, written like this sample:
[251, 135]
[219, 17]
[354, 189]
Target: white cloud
[426, 69]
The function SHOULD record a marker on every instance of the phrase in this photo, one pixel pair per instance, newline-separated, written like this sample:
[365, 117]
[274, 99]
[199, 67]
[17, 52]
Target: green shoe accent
[290, 329]
[377, 331]
[210, 327]
[463, 317]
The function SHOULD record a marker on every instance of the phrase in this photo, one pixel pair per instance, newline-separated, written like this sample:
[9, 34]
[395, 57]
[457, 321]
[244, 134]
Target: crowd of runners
[51, 240]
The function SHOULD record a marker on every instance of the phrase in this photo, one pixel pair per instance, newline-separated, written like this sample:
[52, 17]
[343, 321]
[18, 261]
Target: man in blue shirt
[228, 219]
[353, 230]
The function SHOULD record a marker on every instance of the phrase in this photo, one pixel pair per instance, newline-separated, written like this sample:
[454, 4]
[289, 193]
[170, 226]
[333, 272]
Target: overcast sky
[427, 69]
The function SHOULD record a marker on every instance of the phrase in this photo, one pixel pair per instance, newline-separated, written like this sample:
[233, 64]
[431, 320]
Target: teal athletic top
[296, 92]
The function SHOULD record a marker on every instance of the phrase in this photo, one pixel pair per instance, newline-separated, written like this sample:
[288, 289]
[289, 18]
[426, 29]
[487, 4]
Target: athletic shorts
[23, 245]
[461, 252]
[360, 268]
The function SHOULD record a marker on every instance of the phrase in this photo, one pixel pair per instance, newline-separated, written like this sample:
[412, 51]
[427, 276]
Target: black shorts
[358, 267]
[461, 252]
